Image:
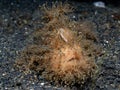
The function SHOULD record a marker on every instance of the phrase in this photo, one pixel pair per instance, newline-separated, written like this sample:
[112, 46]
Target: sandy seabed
[18, 23]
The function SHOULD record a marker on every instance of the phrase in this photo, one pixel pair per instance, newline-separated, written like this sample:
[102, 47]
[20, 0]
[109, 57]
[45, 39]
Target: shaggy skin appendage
[59, 52]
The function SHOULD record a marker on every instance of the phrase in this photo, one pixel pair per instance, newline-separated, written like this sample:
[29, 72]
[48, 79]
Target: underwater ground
[19, 19]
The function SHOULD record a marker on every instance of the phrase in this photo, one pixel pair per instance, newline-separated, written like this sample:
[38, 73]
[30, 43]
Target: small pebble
[42, 84]
[4, 74]
[74, 17]
[99, 4]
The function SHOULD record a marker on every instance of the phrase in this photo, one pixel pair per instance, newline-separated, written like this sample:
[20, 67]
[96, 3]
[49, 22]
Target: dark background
[113, 2]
